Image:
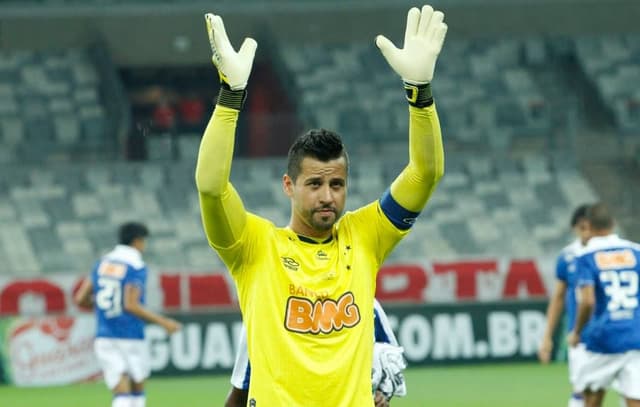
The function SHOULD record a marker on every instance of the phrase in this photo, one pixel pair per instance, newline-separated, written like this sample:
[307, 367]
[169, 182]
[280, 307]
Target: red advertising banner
[416, 282]
[48, 351]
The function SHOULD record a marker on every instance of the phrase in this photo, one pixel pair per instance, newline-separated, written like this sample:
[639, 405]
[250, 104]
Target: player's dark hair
[580, 213]
[130, 231]
[321, 144]
[600, 217]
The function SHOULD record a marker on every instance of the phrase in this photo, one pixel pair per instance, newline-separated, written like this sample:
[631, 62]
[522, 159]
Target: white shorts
[600, 370]
[577, 357]
[122, 356]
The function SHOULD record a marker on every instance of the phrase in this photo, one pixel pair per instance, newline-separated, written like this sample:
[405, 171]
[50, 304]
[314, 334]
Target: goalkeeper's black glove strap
[233, 99]
[419, 95]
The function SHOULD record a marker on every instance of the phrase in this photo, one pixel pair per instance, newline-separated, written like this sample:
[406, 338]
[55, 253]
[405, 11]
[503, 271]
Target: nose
[326, 194]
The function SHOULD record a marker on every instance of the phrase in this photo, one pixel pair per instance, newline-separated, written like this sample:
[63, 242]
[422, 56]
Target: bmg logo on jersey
[327, 315]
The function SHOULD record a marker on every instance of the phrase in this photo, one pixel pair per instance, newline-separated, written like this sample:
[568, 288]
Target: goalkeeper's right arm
[415, 64]
[222, 211]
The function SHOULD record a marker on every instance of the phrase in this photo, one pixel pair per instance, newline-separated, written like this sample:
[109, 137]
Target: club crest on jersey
[290, 263]
[321, 316]
[322, 255]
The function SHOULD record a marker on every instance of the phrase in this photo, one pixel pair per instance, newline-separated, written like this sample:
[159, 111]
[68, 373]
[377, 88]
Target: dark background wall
[172, 34]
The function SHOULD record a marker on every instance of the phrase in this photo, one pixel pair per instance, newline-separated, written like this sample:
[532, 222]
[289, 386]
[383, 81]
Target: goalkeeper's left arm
[415, 63]
[222, 210]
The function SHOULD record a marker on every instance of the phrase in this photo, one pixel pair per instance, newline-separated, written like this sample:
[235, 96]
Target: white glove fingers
[439, 35]
[220, 35]
[386, 47]
[434, 24]
[215, 53]
[413, 19]
[248, 48]
[425, 19]
[208, 18]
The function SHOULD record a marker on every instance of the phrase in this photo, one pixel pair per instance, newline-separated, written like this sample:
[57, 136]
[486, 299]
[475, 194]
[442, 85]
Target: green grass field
[521, 385]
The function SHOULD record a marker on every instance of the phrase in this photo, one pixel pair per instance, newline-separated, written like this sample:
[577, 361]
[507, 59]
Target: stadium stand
[511, 180]
[51, 107]
[469, 73]
[612, 63]
[61, 219]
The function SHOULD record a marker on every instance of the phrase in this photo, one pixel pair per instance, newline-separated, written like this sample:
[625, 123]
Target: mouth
[326, 211]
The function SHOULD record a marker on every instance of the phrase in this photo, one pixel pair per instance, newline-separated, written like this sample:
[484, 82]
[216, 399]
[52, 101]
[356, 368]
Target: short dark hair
[130, 231]
[321, 144]
[600, 217]
[580, 213]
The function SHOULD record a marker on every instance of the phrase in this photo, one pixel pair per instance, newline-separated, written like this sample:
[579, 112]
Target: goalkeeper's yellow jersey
[308, 308]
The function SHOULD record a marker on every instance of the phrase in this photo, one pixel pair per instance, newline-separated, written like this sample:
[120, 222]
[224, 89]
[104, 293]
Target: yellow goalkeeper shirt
[308, 308]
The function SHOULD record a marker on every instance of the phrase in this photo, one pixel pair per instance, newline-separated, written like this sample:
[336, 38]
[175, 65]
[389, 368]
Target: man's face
[139, 243]
[318, 195]
[582, 230]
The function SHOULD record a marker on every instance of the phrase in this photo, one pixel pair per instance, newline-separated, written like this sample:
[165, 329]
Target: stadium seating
[497, 200]
[329, 78]
[61, 219]
[612, 64]
[50, 106]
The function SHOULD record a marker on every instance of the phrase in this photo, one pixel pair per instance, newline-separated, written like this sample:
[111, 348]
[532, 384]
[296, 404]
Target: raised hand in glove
[233, 67]
[416, 61]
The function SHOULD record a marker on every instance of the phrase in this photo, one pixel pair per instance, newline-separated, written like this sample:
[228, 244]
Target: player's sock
[138, 399]
[121, 400]
[622, 401]
[576, 400]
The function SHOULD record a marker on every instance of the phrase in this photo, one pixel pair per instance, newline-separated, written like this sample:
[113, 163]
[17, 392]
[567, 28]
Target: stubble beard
[323, 222]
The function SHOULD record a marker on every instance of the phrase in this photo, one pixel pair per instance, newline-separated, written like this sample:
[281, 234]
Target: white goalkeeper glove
[387, 368]
[416, 62]
[233, 67]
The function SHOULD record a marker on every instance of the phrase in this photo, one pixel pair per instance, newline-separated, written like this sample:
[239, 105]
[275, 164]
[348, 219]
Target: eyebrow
[330, 181]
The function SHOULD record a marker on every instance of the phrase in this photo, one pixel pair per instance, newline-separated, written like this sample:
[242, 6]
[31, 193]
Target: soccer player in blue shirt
[608, 274]
[241, 374]
[564, 297]
[116, 289]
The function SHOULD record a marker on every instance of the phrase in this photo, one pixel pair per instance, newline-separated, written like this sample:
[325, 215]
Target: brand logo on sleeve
[409, 221]
[321, 316]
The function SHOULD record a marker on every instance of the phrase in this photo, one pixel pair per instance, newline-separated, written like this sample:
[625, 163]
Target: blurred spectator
[191, 110]
[136, 148]
[164, 117]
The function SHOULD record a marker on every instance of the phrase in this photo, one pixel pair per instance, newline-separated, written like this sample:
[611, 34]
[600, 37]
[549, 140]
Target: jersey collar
[311, 240]
[307, 239]
[127, 252]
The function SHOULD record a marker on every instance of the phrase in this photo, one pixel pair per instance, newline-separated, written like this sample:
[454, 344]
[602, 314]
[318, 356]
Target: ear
[287, 185]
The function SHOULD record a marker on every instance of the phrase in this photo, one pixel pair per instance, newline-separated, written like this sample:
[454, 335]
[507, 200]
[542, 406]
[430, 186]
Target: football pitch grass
[506, 385]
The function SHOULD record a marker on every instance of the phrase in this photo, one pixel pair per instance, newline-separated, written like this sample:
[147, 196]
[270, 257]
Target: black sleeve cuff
[419, 95]
[233, 99]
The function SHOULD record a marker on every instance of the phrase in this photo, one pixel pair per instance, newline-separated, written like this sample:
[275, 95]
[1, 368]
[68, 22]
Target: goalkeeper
[306, 290]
